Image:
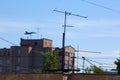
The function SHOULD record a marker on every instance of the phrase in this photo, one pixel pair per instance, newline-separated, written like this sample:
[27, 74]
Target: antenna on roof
[38, 32]
[63, 41]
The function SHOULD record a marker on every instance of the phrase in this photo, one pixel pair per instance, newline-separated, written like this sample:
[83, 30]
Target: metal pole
[63, 43]
[83, 64]
[73, 62]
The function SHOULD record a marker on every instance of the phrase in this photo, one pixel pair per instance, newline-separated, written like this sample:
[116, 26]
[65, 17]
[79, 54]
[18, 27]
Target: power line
[7, 41]
[100, 63]
[87, 51]
[95, 4]
[82, 67]
[101, 58]
[90, 62]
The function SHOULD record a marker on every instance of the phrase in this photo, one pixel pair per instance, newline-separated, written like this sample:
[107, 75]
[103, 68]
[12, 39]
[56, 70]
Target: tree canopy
[50, 61]
[117, 62]
[95, 70]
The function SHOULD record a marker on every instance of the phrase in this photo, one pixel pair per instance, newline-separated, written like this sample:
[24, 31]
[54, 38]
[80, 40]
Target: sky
[99, 32]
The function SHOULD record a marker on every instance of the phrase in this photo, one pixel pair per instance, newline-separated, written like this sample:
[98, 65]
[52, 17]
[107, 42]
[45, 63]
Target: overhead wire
[8, 41]
[95, 4]
[101, 64]
[99, 58]
[96, 62]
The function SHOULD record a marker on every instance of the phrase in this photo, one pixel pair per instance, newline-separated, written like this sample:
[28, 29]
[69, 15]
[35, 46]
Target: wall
[93, 77]
[31, 77]
[57, 77]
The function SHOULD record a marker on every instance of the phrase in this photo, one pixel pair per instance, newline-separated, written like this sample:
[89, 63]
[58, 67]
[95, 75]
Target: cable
[95, 4]
[7, 41]
[100, 62]
[88, 60]
[110, 58]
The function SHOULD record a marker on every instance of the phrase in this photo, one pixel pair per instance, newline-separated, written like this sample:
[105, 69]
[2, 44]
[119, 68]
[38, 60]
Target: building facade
[5, 60]
[69, 58]
[29, 56]
[34, 50]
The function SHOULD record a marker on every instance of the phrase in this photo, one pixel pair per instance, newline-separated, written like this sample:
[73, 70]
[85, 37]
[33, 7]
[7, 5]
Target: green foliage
[95, 70]
[46, 61]
[98, 70]
[50, 61]
[88, 70]
[39, 70]
[117, 62]
[53, 60]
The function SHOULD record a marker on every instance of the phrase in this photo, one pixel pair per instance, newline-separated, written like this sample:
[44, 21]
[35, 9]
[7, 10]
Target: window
[0, 69]
[17, 60]
[0, 62]
[0, 54]
[17, 68]
[4, 54]
[18, 52]
[50, 45]
[7, 69]
[71, 54]
[70, 62]
[66, 61]
[45, 43]
[31, 63]
[8, 61]
[35, 43]
[66, 66]
[8, 53]
[66, 53]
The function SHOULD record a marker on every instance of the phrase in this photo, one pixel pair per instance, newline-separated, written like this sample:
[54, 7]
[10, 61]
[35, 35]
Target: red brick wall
[31, 77]
[94, 77]
[57, 77]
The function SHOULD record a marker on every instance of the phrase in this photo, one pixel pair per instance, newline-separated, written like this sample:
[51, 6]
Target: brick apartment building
[28, 56]
[5, 60]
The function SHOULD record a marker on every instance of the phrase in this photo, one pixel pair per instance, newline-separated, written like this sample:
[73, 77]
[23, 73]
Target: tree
[88, 70]
[50, 61]
[117, 63]
[53, 60]
[94, 69]
[97, 70]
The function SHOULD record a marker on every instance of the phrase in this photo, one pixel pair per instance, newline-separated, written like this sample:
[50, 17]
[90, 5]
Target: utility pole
[84, 63]
[63, 41]
[83, 66]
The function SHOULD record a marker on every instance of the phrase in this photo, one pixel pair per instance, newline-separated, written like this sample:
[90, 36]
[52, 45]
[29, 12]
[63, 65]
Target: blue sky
[99, 32]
